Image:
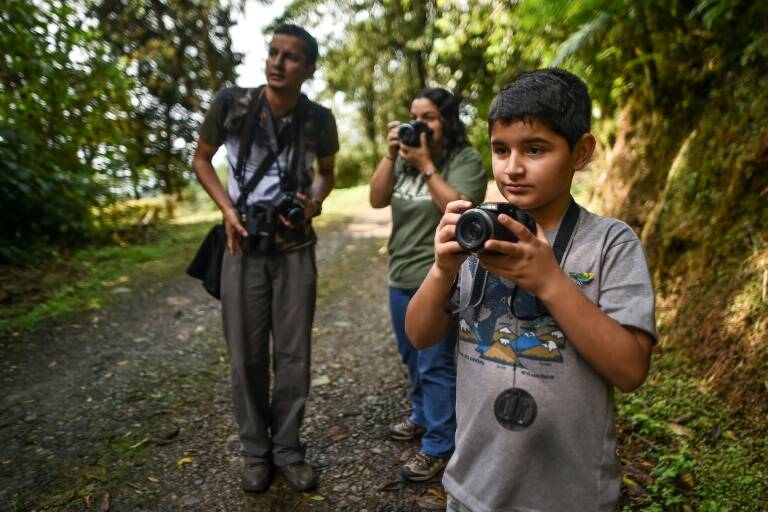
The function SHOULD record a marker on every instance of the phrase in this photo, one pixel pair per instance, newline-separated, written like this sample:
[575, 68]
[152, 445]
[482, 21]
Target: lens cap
[515, 409]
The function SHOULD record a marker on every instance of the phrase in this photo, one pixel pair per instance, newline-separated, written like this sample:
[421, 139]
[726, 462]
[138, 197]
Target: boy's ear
[583, 150]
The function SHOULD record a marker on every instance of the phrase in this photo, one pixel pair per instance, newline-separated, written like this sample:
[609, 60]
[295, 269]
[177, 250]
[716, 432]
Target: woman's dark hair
[454, 136]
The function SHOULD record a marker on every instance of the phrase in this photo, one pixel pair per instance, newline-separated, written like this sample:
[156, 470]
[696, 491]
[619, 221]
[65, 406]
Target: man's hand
[234, 229]
[312, 207]
[529, 262]
[419, 157]
[448, 253]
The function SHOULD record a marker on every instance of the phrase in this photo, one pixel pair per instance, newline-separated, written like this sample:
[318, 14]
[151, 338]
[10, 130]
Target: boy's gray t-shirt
[566, 459]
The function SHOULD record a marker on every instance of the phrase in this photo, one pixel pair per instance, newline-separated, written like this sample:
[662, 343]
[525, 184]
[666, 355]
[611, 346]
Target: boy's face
[287, 66]
[533, 167]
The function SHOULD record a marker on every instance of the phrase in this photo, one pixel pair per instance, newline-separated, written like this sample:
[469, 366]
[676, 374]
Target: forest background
[100, 101]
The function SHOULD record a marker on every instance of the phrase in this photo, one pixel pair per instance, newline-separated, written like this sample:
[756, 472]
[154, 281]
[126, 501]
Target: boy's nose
[514, 166]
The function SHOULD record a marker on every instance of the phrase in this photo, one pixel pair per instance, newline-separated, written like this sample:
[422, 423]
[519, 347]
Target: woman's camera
[410, 133]
[480, 224]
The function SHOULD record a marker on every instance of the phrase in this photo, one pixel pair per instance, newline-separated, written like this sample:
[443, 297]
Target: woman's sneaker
[405, 430]
[422, 466]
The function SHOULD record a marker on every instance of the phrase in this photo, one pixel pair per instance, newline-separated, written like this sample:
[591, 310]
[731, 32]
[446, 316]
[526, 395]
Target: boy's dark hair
[310, 43]
[454, 135]
[553, 97]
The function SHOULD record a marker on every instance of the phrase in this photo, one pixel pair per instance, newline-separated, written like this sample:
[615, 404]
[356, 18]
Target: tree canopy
[100, 100]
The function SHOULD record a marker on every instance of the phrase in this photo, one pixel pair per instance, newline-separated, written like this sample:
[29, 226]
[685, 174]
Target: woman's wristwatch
[428, 175]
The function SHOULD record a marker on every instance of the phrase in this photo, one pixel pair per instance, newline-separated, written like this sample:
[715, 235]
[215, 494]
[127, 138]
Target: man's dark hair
[454, 136]
[310, 43]
[553, 97]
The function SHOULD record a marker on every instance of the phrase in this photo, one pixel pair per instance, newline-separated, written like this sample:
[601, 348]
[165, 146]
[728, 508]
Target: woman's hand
[448, 253]
[393, 141]
[419, 157]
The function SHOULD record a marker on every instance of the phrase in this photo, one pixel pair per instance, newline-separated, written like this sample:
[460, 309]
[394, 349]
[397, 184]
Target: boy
[560, 317]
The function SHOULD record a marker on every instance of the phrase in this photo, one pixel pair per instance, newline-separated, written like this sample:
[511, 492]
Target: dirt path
[130, 409]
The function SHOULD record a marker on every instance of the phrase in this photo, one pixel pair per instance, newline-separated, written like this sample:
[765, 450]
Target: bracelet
[389, 157]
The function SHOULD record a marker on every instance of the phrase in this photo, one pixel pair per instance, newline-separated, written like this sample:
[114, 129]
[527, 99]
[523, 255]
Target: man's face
[533, 167]
[287, 66]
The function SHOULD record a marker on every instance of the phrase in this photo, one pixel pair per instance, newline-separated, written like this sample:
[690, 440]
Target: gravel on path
[129, 409]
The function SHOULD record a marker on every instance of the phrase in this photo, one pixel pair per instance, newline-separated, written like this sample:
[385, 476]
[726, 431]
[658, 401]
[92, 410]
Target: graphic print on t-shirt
[410, 186]
[500, 338]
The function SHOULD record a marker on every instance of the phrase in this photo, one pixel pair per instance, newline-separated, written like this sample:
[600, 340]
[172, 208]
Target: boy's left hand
[529, 262]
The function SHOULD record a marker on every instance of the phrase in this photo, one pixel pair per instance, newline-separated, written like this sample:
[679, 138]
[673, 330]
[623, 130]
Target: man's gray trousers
[263, 294]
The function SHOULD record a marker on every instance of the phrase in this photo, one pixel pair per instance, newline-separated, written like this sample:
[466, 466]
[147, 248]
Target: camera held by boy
[548, 324]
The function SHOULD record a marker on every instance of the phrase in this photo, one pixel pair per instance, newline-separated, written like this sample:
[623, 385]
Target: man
[273, 134]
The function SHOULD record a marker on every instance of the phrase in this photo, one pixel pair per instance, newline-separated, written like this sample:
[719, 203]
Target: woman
[418, 182]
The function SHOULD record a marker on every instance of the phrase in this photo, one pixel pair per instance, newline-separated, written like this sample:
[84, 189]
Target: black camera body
[481, 223]
[410, 133]
[290, 207]
[261, 221]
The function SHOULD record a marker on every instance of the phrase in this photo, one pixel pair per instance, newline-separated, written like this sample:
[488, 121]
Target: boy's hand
[529, 262]
[448, 253]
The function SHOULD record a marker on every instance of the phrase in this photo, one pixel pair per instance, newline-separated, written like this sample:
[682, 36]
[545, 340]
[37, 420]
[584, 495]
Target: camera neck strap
[248, 133]
[292, 178]
[256, 107]
[562, 240]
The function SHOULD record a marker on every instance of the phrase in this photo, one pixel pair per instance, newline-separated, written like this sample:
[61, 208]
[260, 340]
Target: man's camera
[290, 207]
[410, 133]
[480, 224]
[261, 221]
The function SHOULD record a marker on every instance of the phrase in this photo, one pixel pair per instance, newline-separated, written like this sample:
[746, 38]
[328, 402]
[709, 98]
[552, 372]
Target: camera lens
[473, 229]
[296, 216]
[407, 135]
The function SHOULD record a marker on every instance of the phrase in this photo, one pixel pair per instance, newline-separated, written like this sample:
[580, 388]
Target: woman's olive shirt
[415, 216]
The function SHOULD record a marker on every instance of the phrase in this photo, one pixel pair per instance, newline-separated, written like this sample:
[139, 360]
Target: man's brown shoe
[299, 475]
[256, 476]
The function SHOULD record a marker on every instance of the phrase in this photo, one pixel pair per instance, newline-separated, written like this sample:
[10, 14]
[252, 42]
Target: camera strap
[257, 105]
[291, 179]
[479, 278]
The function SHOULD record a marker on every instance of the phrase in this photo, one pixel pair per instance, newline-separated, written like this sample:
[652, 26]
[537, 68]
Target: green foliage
[691, 450]
[179, 51]
[96, 108]
[59, 119]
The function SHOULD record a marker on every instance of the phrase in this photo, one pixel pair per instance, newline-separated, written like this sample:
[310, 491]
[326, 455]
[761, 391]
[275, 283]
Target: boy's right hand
[448, 253]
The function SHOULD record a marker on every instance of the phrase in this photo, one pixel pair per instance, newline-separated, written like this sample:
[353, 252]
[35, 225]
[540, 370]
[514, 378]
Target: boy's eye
[535, 150]
[500, 150]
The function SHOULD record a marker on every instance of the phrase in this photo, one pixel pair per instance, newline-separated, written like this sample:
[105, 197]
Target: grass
[94, 277]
